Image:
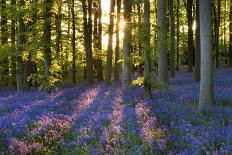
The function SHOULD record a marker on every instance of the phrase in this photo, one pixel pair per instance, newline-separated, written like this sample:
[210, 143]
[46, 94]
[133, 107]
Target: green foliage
[225, 102]
[161, 86]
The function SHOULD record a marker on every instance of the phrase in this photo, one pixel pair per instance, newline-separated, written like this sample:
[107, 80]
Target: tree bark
[117, 47]
[172, 49]
[21, 43]
[206, 97]
[198, 44]
[162, 41]
[230, 41]
[110, 44]
[190, 35]
[47, 38]
[126, 75]
[147, 59]
[178, 35]
[73, 42]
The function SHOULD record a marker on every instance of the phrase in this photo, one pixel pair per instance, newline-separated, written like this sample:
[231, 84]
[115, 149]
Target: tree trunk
[87, 18]
[206, 97]
[178, 35]
[230, 46]
[190, 35]
[13, 39]
[117, 47]
[147, 59]
[47, 37]
[172, 49]
[162, 41]
[58, 31]
[99, 66]
[110, 43]
[198, 44]
[126, 75]
[21, 43]
[73, 43]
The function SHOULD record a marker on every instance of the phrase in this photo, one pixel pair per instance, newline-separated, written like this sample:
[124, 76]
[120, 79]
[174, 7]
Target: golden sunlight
[105, 21]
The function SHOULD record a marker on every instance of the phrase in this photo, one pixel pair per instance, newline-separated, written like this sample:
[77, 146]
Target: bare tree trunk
[206, 97]
[110, 44]
[178, 35]
[21, 43]
[117, 47]
[198, 44]
[162, 42]
[190, 35]
[172, 50]
[126, 76]
[87, 13]
[99, 62]
[47, 38]
[73, 42]
[4, 63]
[147, 59]
[13, 39]
[230, 46]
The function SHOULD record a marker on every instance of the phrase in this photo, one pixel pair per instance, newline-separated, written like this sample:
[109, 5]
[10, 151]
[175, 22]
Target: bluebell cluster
[102, 119]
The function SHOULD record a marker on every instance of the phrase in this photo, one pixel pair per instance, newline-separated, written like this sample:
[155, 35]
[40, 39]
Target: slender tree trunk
[172, 49]
[230, 45]
[110, 44]
[47, 38]
[99, 65]
[216, 17]
[198, 44]
[190, 35]
[126, 75]
[147, 59]
[73, 42]
[21, 43]
[117, 47]
[13, 39]
[178, 35]
[224, 33]
[58, 30]
[162, 42]
[206, 97]
[87, 18]
[3, 13]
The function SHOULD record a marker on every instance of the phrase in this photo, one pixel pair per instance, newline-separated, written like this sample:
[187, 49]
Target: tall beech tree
[126, 75]
[110, 43]
[172, 49]
[230, 36]
[206, 97]
[47, 37]
[198, 44]
[73, 42]
[190, 34]
[147, 54]
[21, 43]
[162, 41]
[117, 46]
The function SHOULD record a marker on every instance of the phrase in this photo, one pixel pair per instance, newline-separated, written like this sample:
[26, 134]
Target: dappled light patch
[102, 119]
[150, 130]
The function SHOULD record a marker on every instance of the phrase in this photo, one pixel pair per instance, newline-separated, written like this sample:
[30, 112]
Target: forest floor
[98, 119]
